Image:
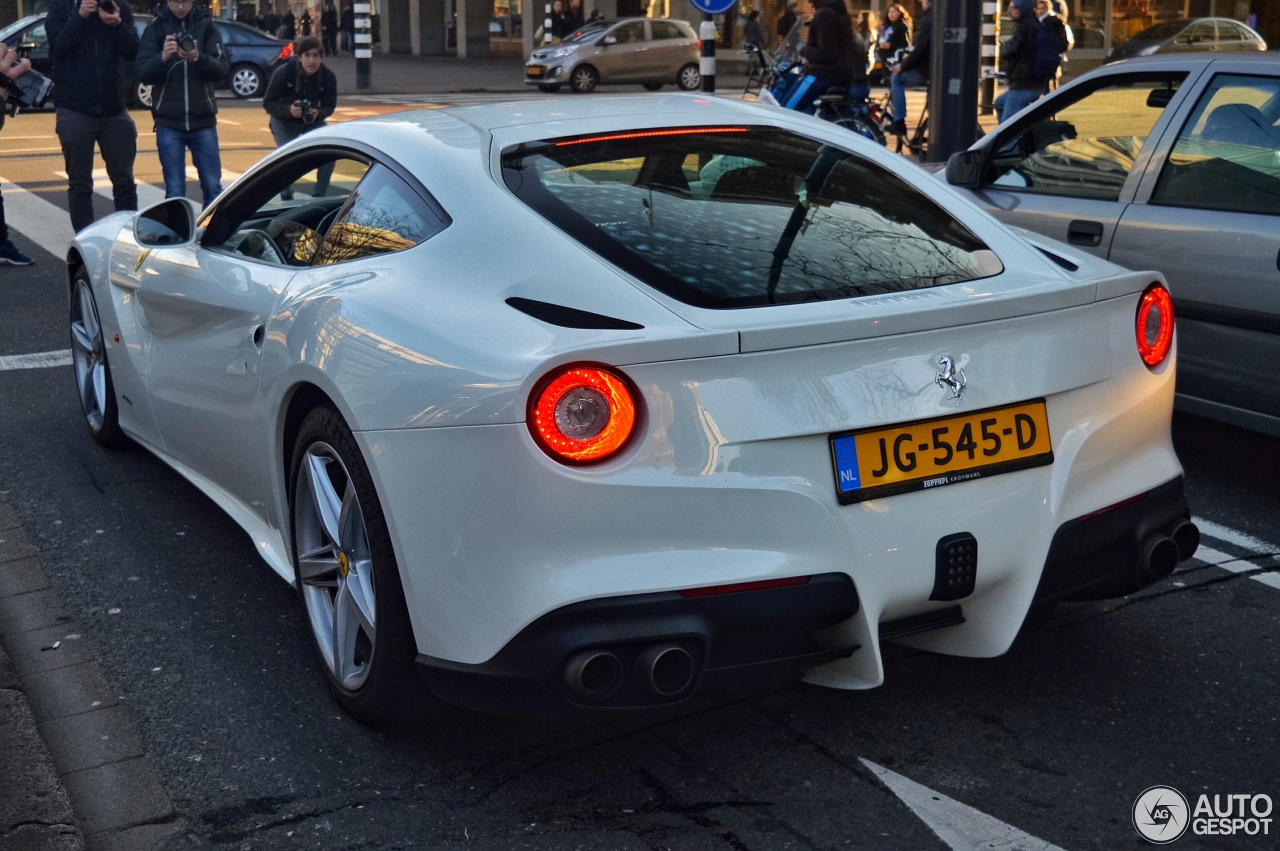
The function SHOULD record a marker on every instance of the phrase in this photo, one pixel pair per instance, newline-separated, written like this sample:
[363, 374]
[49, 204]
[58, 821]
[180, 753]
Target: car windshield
[738, 216]
[587, 33]
[1161, 31]
[7, 34]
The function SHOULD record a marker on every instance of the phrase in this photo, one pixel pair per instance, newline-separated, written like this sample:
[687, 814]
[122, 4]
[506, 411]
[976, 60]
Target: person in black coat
[89, 46]
[787, 20]
[182, 103]
[302, 94]
[348, 29]
[828, 52]
[329, 29]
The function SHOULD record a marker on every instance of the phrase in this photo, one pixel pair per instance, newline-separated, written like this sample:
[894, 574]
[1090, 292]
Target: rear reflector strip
[745, 586]
[1121, 504]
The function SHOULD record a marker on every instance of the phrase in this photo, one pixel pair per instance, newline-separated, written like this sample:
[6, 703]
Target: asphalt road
[208, 649]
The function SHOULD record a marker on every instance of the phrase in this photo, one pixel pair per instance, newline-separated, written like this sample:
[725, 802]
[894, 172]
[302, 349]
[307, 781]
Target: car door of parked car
[208, 305]
[33, 44]
[669, 49]
[1070, 167]
[1208, 216]
[625, 59]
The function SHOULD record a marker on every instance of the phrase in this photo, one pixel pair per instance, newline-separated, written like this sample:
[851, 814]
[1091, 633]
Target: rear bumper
[1101, 556]
[756, 638]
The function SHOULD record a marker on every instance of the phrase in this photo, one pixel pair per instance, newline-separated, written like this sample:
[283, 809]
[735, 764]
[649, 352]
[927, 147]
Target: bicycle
[917, 140]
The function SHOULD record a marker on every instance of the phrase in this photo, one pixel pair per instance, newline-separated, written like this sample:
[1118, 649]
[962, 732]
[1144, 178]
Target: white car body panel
[730, 479]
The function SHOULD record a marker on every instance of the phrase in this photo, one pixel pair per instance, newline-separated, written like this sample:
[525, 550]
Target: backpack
[1046, 56]
[1058, 30]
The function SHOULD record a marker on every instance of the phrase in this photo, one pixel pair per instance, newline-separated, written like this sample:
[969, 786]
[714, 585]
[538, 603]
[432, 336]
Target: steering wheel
[258, 244]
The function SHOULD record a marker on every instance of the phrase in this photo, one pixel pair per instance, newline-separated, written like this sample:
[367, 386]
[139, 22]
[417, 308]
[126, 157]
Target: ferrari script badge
[950, 378]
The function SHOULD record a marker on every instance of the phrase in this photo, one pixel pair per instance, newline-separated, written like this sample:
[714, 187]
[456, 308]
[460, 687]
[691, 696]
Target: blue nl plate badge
[846, 452]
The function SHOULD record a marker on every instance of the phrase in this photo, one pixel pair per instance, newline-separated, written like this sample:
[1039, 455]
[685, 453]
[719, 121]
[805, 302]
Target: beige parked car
[633, 50]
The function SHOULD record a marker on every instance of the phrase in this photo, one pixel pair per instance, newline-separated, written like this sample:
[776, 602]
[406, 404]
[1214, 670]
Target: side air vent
[568, 317]
[1061, 261]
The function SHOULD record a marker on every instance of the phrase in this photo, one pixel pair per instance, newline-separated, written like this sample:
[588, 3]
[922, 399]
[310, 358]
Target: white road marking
[959, 825]
[147, 194]
[45, 224]
[1235, 564]
[43, 360]
[1231, 536]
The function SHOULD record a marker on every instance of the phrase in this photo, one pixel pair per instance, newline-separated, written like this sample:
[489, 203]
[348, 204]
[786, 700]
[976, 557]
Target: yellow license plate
[942, 451]
[533, 71]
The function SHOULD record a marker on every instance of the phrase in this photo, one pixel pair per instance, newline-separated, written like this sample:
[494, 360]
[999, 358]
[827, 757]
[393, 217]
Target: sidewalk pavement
[403, 74]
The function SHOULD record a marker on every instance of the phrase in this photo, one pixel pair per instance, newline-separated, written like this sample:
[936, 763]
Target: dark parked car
[1201, 34]
[253, 55]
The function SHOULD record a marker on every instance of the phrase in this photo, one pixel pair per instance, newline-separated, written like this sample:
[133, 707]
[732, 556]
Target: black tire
[91, 368]
[584, 79]
[550, 88]
[652, 87]
[689, 78]
[245, 81]
[391, 691]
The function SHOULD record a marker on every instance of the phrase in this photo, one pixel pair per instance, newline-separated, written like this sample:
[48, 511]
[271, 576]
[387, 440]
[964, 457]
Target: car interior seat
[1239, 124]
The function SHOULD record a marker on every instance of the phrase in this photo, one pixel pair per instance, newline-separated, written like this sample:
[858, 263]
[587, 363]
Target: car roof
[1186, 61]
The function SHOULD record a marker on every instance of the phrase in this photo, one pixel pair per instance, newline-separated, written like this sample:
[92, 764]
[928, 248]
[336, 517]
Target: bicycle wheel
[863, 126]
[918, 145]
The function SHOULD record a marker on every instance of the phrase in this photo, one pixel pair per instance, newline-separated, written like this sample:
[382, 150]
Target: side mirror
[965, 169]
[608, 40]
[171, 222]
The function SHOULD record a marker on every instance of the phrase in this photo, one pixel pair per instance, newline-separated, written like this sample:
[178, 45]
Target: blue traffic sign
[713, 7]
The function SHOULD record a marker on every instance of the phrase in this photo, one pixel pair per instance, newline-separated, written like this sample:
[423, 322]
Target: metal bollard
[364, 43]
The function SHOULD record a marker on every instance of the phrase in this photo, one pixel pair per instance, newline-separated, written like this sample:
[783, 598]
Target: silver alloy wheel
[87, 356]
[690, 77]
[245, 81]
[335, 565]
[143, 93]
[584, 79]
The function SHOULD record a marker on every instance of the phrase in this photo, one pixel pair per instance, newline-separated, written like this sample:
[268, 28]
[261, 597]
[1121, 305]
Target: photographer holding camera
[181, 55]
[301, 95]
[88, 39]
[11, 69]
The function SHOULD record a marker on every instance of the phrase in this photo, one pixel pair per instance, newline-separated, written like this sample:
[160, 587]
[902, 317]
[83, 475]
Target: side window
[281, 217]
[1085, 148]
[1227, 157]
[36, 42]
[1201, 33]
[1230, 32]
[631, 33]
[232, 35]
[664, 30]
[384, 215]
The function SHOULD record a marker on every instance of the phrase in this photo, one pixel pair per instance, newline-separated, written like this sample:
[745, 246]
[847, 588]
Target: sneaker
[898, 128]
[11, 256]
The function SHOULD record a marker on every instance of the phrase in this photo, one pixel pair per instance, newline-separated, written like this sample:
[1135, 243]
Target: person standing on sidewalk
[912, 69]
[329, 29]
[1018, 55]
[88, 42]
[181, 55]
[11, 68]
[302, 94]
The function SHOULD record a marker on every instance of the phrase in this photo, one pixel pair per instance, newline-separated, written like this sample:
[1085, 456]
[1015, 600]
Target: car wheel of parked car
[652, 87]
[555, 87]
[689, 78]
[142, 95]
[89, 358]
[584, 79]
[347, 576]
[246, 81]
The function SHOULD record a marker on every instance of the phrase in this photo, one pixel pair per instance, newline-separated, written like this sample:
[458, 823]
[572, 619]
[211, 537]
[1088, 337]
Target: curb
[73, 773]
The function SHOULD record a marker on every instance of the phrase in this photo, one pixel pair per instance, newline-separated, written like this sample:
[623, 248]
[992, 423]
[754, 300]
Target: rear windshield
[741, 217]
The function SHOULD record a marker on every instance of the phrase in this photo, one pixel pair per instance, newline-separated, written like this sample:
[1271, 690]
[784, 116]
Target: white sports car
[595, 403]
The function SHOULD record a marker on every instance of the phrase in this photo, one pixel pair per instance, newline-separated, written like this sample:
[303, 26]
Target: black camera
[307, 115]
[107, 6]
[29, 91]
[186, 41]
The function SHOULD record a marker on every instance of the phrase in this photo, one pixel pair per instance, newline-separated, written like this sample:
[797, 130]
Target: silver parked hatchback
[1169, 163]
[633, 50]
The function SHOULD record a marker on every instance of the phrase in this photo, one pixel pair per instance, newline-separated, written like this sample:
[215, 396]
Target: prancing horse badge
[950, 378]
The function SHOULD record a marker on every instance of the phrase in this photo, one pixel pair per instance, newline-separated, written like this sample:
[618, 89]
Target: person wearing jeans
[912, 70]
[11, 68]
[1018, 54]
[88, 39]
[303, 81]
[182, 57]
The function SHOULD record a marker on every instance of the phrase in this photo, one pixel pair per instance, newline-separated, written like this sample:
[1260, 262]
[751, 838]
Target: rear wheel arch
[303, 399]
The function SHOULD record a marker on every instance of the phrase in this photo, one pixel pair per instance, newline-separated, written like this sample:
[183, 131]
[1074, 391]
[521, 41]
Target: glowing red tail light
[286, 52]
[581, 414]
[1154, 325]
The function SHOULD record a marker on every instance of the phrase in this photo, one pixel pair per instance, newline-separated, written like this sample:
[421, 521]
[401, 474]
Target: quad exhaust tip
[1187, 536]
[1158, 557]
[666, 669]
[593, 674]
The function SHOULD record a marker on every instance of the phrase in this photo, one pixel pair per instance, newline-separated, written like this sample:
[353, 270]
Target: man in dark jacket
[182, 103]
[828, 52]
[87, 43]
[913, 70]
[348, 29]
[1018, 54]
[301, 95]
[329, 29]
[786, 20]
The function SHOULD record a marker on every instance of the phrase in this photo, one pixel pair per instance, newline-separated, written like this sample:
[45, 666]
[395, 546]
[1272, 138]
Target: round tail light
[1154, 325]
[582, 414]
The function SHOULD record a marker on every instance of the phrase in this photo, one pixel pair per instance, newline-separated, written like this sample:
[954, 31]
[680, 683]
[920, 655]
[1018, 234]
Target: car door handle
[1081, 232]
